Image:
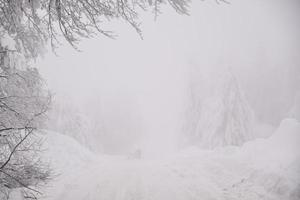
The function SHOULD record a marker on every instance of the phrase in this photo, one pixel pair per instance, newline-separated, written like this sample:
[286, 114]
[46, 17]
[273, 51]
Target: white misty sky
[257, 39]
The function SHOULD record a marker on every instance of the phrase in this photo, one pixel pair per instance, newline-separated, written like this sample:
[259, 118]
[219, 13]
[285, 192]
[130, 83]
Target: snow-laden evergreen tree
[219, 114]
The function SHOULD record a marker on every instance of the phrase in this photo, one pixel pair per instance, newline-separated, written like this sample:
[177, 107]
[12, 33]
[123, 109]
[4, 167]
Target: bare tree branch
[15, 148]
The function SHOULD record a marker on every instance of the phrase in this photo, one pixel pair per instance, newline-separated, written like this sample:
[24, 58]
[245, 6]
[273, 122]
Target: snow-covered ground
[266, 169]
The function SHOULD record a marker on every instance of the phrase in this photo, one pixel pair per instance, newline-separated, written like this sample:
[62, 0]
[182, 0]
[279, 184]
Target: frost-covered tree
[220, 116]
[23, 102]
[32, 22]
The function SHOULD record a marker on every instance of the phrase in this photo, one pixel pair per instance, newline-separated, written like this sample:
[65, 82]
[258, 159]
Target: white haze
[139, 87]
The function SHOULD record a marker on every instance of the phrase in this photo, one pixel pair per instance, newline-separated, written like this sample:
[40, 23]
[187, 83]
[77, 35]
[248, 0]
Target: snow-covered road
[182, 179]
[231, 173]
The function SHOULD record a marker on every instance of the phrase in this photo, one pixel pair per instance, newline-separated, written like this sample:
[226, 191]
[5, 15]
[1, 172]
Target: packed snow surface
[266, 169]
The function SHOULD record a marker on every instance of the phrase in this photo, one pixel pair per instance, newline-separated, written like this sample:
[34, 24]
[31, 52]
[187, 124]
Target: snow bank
[281, 149]
[64, 152]
[266, 168]
[67, 158]
[275, 162]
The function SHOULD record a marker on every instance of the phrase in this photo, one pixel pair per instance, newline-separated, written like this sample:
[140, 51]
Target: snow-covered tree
[23, 103]
[33, 22]
[220, 114]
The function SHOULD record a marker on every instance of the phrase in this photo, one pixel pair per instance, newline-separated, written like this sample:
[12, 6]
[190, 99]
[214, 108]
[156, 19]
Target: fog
[136, 90]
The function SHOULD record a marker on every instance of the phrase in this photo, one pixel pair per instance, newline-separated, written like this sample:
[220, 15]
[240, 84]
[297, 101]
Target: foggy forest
[149, 100]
